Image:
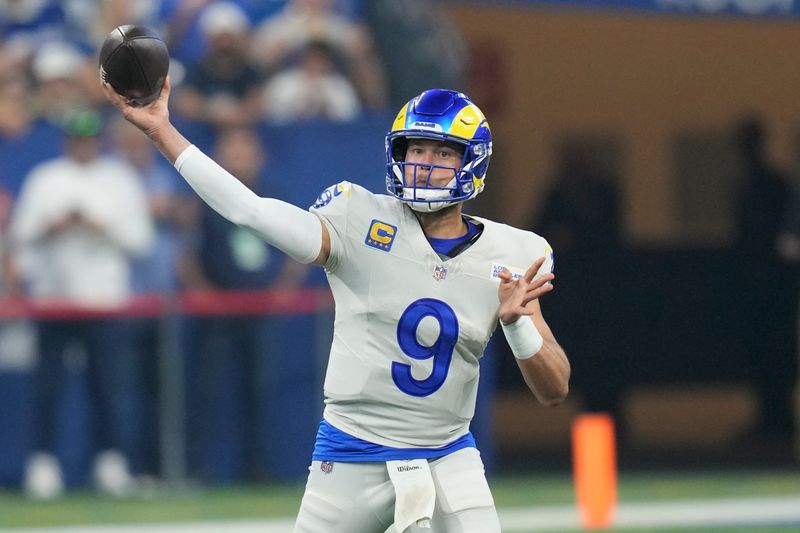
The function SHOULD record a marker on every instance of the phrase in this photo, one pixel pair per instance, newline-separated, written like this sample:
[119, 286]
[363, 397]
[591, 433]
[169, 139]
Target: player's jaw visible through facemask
[425, 188]
[425, 200]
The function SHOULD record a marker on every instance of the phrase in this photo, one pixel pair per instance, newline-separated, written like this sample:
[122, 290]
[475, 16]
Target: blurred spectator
[14, 104]
[233, 350]
[280, 39]
[788, 242]
[222, 89]
[27, 24]
[9, 280]
[180, 23]
[92, 20]
[788, 246]
[767, 288]
[580, 215]
[419, 46]
[156, 272]
[171, 209]
[78, 221]
[312, 89]
[17, 336]
[60, 71]
[24, 141]
[184, 38]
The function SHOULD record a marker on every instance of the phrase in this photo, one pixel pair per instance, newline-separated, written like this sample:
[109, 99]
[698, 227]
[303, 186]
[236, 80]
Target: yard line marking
[228, 526]
[761, 511]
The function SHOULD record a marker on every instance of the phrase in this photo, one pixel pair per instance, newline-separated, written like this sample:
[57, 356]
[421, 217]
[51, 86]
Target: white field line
[778, 511]
[781, 511]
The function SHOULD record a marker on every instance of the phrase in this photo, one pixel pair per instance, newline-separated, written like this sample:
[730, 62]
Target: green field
[158, 505]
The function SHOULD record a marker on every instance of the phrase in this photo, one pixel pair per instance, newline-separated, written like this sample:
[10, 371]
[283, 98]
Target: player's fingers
[535, 292]
[542, 280]
[534, 268]
[107, 90]
[112, 96]
[505, 275]
[539, 283]
[165, 89]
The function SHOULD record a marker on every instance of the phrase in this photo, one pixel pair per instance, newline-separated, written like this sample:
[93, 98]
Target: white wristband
[523, 337]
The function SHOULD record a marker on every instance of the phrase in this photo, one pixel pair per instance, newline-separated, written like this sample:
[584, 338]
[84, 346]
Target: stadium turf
[159, 505]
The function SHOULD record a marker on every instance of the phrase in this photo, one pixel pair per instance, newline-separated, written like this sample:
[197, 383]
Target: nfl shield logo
[326, 466]
[439, 273]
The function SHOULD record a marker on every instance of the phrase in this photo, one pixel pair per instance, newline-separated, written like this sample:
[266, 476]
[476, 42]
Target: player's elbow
[553, 395]
[246, 216]
[555, 399]
[550, 388]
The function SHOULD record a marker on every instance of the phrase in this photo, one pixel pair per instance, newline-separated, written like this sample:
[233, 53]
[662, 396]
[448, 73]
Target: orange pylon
[594, 460]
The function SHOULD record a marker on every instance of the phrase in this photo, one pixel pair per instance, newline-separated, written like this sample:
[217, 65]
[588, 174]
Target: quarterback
[419, 288]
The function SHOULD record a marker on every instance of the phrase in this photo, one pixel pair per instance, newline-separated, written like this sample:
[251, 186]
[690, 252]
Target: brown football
[135, 61]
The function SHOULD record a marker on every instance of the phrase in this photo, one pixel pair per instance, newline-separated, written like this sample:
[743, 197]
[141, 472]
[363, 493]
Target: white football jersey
[410, 327]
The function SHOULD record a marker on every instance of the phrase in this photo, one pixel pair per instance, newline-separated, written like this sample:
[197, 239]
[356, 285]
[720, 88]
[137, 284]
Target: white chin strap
[420, 198]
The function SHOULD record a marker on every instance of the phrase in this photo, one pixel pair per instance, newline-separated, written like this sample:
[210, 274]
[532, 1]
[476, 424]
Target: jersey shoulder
[508, 236]
[343, 196]
[346, 196]
[350, 211]
[514, 248]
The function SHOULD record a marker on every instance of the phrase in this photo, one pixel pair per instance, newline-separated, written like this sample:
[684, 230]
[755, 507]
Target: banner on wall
[770, 8]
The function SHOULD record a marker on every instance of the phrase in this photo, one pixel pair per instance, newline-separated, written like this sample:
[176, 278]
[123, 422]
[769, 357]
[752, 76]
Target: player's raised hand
[149, 118]
[153, 119]
[516, 294]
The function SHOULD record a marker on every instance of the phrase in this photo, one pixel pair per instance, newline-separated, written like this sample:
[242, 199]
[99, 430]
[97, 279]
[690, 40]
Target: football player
[419, 288]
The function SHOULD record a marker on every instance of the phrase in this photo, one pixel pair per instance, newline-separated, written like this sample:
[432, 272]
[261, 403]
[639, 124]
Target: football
[134, 61]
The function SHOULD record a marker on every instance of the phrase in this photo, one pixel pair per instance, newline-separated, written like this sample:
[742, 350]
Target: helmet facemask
[417, 190]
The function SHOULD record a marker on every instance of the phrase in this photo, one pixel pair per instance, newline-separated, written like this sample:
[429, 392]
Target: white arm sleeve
[296, 232]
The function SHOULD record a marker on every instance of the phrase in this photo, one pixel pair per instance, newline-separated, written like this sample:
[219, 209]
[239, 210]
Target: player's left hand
[516, 294]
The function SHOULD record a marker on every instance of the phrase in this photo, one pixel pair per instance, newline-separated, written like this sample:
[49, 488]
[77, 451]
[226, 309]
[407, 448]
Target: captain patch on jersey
[381, 235]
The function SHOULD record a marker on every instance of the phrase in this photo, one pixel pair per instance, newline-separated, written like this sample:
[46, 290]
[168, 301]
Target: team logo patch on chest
[516, 273]
[381, 235]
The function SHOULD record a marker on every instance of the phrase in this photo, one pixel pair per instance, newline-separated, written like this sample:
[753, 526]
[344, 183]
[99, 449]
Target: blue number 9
[441, 350]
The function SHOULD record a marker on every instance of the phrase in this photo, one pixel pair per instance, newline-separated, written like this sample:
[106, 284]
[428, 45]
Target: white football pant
[359, 498]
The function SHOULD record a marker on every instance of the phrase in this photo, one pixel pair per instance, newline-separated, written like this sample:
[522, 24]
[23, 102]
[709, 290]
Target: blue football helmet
[443, 115]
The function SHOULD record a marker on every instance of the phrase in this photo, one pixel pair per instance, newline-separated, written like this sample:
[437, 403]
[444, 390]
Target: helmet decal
[466, 123]
[400, 120]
